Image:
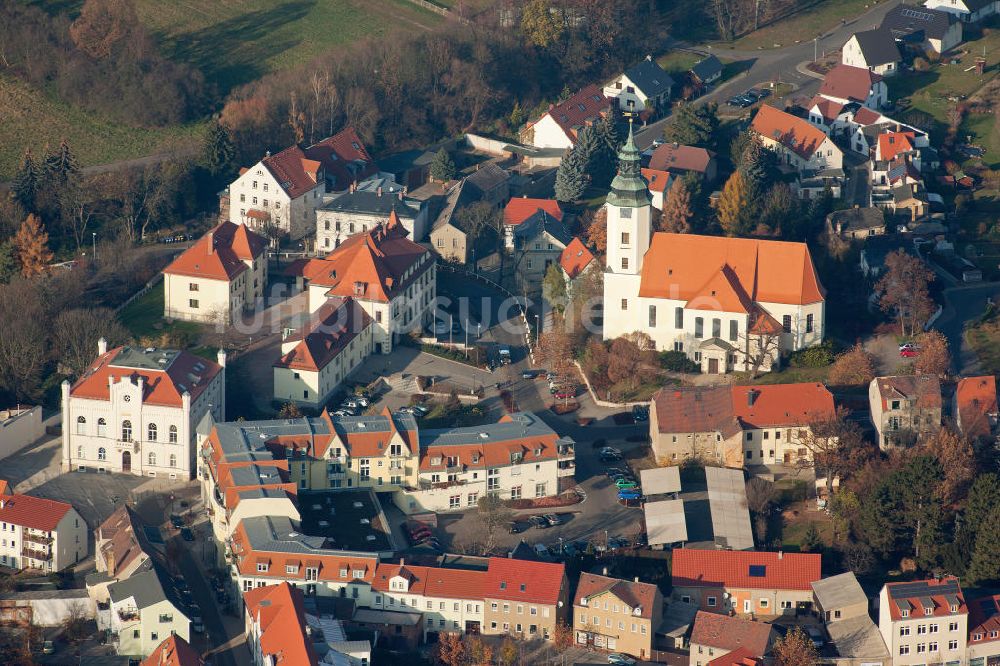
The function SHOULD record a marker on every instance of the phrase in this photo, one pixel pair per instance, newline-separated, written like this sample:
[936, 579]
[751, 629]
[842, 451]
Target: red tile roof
[675, 157]
[658, 180]
[4, 487]
[329, 566]
[220, 254]
[575, 257]
[794, 133]
[523, 580]
[913, 596]
[976, 401]
[826, 107]
[891, 144]
[344, 157]
[984, 619]
[369, 266]
[520, 209]
[582, 109]
[173, 651]
[280, 612]
[924, 390]
[680, 266]
[329, 331]
[745, 569]
[866, 116]
[741, 656]
[730, 633]
[295, 173]
[634, 594]
[35, 512]
[846, 82]
[160, 387]
[438, 582]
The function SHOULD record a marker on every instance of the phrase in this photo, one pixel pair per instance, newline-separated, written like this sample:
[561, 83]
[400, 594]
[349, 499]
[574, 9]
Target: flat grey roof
[660, 480]
[839, 591]
[149, 358]
[727, 500]
[677, 617]
[857, 638]
[665, 522]
[369, 616]
[520, 426]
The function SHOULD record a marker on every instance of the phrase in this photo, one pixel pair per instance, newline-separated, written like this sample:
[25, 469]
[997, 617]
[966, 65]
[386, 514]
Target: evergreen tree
[611, 133]
[676, 217]
[571, 178]
[733, 207]
[811, 540]
[442, 166]
[60, 164]
[985, 566]
[760, 169]
[26, 182]
[8, 262]
[694, 126]
[219, 154]
[587, 144]
[32, 245]
[596, 154]
[983, 496]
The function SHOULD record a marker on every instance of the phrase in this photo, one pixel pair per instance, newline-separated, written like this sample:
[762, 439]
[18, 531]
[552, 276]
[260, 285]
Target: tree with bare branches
[904, 290]
[852, 367]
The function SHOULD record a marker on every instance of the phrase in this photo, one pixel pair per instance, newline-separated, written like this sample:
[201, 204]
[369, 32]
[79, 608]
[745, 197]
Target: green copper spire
[629, 189]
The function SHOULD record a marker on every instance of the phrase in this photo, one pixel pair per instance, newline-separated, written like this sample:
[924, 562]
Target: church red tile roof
[220, 254]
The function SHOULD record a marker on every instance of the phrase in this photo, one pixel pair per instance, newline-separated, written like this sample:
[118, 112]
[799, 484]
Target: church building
[730, 304]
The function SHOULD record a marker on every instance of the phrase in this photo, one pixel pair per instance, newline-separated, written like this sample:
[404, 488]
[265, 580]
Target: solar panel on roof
[758, 570]
[914, 14]
[988, 607]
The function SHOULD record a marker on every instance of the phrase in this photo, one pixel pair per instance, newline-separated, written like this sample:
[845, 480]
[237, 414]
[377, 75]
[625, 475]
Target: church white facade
[727, 303]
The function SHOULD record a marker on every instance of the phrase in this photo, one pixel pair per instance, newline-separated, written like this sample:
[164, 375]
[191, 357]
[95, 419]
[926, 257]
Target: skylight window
[758, 570]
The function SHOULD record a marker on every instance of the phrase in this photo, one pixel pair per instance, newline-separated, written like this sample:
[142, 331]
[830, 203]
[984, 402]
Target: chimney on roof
[551, 106]
[402, 562]
[267, 153]
[604, 571]
[649, 57]
[211, 241]
[636, 579]
[102, 346]
[164, 657]
[780, 554]
[379, 192]
[857, 206]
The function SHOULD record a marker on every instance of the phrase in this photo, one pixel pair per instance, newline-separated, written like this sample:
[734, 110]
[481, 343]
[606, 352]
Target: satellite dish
[725, 595]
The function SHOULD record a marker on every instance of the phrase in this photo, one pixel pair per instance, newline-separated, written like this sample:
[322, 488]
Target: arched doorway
[127, 461]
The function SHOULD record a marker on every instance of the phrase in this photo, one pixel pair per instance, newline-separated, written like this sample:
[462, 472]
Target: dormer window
[523, 587]
[503, 585]
[930, 611]
[343, 573]
[436, 460]
[954, 608]
[903, 612]
[538, 450]
[261, 567]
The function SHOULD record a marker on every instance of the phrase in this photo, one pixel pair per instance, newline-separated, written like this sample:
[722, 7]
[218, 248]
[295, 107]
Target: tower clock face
[127, 398]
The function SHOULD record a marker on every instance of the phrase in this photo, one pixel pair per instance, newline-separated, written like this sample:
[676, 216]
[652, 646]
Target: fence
[486, 144]
[142, 292]
[605, 403]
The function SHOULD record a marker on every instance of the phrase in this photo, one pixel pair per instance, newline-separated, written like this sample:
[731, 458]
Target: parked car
[625, 484]
[350, 403]
[615, 471]
[515, 527]
[610, 457]
[552, 519]
[342, 413]
[611, 450]
[910, 352]
[619, 659]
[48, 647]
[529, 374]
[541, 550]
[187, 534]
[538, 522]
[176, 521]
[763, 93]
[197, 626]
[420, 410]
[640, 414]
[629, 494]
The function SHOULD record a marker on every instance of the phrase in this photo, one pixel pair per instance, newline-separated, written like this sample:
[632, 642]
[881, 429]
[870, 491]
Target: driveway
[964, 304]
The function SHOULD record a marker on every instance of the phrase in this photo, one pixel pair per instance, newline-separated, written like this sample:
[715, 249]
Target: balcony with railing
[39, 555]
[128, 615]
[38, 538]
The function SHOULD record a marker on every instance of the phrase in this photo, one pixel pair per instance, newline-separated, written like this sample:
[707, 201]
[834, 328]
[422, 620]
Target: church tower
[629, 209]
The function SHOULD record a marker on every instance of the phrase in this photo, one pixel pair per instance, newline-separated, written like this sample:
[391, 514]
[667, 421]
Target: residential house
[984, 631]
[838, 598]
[539, 242]
[448, 238]
[904, 404]
[737, 426]
[576, 260]
[319, 356]
[410, 168]
[741, 656]
[909, 200]
[923, 28]
[705, 72]
[135, 410]
[490, 184]
[561, 124]
[644, 87]
[684, 290]
[617, 615]
[391, 277]
[974, 407]
[122, 544]
[799, 144]
[968, 11]
[39, 533]
[842, 606]
[924, 621]
[714, 636]
[519, 457]
[450, 600]
[283, 190]
[524, 599]
[659, 183]
[845, 84]
[144, 609]
[361, 209]
[875, 251]
[216, 280]
[872, 49]
[745, 582]
[276, 626]
[680, 160]
[174, 651]
[520, 209]
[856, 223]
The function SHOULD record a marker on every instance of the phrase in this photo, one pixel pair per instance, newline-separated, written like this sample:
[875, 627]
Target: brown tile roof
[344, 158]
[976, 401]
[794, 133]
[523, 580]
[826, 107]
[329, 331]
[584, 108]
[679, 266]
[743, 569]
[631, 593]
[439, 582]
[295, 173]
[173, 651]
[35, 512]
[731, 633]
[575, 257]
[220, 254]
[925, 390]
[280, 610]
[121, 536]
[866, 116]
[846, 82]
[675, 157]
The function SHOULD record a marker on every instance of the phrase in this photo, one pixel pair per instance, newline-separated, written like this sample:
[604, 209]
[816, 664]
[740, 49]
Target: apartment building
[745, 582]
[144, 609]
[737, 426]
[174, 651]
[216, 280]
[924, 621]
[364, 207]
[617, 615]
[392, 278]
[984, 631]
[904, 406]
[276, 626]
[135, 411]
[39, 533]
[524, 599]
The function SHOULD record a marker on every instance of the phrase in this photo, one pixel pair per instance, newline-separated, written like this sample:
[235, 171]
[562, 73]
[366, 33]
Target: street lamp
[94, 236]
[538, 330]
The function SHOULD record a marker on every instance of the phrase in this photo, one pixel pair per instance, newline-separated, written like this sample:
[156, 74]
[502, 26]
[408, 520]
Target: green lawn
[677, 62]
[800, 27]
[144, 318]
[237, 41]
[790, 376]
[31, 119]
[985, 341]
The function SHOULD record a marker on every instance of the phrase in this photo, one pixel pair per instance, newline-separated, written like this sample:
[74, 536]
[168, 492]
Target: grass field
[237, 41]
[800, 27]
[31, 119]
[984, 339]
[144, 318]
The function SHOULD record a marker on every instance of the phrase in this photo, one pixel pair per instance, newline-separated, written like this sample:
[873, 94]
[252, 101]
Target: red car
[909, 352]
